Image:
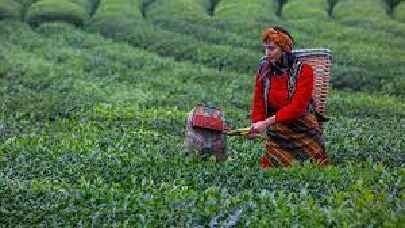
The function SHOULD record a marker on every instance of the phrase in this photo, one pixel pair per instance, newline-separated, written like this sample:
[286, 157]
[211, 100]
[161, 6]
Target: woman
[282, 109]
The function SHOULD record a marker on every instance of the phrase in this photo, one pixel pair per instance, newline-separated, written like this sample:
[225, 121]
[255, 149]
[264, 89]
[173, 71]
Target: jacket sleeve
[258, 112]
[301, 98]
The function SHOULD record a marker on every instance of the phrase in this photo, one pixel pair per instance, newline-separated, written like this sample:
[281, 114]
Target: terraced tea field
[95, 94]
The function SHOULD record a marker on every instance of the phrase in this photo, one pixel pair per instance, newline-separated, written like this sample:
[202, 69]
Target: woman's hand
[261, 126]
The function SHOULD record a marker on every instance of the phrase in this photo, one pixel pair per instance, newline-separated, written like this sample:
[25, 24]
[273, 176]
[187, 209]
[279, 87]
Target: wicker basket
[321, 62]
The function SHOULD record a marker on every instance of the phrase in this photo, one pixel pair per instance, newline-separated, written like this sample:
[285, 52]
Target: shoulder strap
[265, 77]
[293, 77]
[262, 63]
[266, 88]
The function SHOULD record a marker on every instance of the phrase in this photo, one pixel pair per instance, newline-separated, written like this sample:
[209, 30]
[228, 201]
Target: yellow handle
[239, 132]
[244, 132]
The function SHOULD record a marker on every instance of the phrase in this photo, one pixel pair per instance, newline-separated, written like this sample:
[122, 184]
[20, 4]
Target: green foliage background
[95, 94]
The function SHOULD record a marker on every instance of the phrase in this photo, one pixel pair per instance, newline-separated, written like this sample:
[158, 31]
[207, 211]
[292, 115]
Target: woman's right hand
[253, 133]
[260, 126]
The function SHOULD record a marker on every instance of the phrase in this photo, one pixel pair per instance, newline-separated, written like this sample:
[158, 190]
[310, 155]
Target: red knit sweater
[278, 97]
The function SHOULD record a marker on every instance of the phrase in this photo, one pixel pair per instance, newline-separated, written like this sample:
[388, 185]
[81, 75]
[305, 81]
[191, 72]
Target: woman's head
[277, 40]
[272, 50]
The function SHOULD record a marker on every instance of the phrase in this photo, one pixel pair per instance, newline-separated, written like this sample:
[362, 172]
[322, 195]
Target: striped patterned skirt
[294, 142]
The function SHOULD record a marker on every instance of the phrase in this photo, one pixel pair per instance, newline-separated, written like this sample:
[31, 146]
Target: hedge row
[301, 9]
[369, 14]
[400, 12]
[10, 9]
[245, 17]
[244, 23]
[71, 11]
[190, 9]
[139, 33]
[194, 21]
[207, 33]
[238, 19]
[248, 9]
[117, 17]
[26, 3]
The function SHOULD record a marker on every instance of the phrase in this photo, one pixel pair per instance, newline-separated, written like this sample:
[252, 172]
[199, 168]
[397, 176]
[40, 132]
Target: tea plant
[72, 11]
[10, 9]
[399, 13]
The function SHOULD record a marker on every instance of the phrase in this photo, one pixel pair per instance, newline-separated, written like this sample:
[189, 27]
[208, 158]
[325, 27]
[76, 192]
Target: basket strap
[266, 88]
[265, 78]
[293, 77]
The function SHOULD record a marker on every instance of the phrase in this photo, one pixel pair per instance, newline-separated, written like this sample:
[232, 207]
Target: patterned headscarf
[280, 37]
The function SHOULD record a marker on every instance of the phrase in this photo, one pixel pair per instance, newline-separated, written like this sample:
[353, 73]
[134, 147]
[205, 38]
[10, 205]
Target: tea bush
[117, 17]
[25, 5]
[350, 10]
[245, 13]
[10, 9]
[196, 22]
[400, 12]
[302, 9]
[370, 14]
[26, 2]
[244, 8]
[206, 33]
[71, 11]
[190, 9]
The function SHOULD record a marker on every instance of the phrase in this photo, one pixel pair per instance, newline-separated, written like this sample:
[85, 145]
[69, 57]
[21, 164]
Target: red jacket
[278, 96]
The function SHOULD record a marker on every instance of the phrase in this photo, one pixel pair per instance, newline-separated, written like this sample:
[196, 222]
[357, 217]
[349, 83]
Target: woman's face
[273, 52]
